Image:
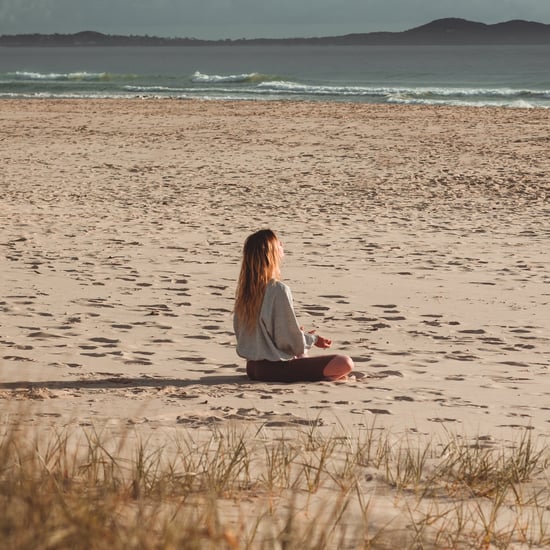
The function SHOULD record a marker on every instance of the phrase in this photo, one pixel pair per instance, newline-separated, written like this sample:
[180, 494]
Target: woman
[268, 334]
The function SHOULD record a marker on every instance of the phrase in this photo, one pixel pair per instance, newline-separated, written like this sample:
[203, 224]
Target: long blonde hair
[261, 263]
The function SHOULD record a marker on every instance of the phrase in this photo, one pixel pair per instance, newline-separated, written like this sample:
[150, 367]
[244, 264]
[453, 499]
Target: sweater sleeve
[285, 330]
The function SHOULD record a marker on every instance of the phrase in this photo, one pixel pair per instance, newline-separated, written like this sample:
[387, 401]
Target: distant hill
[461, 31]
[450, 31]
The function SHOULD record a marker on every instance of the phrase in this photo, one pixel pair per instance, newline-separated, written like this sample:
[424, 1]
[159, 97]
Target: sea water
[512, 76]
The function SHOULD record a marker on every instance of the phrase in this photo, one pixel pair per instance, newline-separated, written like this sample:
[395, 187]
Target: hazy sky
[252, 18]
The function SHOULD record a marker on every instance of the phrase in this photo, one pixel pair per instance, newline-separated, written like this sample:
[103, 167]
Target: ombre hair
[260, 264]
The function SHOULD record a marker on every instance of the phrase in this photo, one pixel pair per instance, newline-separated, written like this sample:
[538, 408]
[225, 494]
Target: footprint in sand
[41, 335]
[519, 426]
[143, 362]
[17, 358]
[383, 374]
[363, 319]
[492, 341]
[108, 342]
[291, 421]
[189, 359]
[394, 318]
[472, 331]
[337, 297]
[459, 356]
[229, 366]
[315, 310]
[378, 411]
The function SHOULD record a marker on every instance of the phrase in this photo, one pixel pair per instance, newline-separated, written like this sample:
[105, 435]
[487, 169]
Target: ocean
[510, 76]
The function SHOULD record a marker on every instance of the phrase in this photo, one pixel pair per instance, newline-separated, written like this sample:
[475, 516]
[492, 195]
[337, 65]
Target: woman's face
[280, 249]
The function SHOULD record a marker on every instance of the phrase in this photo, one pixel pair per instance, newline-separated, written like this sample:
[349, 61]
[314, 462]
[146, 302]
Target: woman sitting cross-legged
[268, 334]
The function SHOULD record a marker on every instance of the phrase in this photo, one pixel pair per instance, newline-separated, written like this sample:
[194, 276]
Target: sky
[220, 19]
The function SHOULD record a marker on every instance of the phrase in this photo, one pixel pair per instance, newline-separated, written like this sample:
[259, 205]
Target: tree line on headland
[450, 31]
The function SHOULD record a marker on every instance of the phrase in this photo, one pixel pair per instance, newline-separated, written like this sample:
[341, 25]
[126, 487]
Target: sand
[415, 237]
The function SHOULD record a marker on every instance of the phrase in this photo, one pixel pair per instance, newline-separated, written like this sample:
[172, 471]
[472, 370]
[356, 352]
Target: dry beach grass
[416, 237]
[250, 489]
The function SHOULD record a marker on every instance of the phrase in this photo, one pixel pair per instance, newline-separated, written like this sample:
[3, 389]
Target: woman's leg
[302, 369]
[338, 367]
[251, 370]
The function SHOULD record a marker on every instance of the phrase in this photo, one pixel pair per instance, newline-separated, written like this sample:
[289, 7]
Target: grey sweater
[277, 336]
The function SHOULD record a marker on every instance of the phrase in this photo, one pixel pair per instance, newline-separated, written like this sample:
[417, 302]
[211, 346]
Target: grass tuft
[239, 489]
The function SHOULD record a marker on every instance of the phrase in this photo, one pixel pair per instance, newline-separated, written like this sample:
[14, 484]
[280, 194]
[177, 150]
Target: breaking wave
[255, 85]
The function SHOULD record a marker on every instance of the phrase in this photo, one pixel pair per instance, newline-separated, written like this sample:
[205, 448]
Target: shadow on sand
[112, 382]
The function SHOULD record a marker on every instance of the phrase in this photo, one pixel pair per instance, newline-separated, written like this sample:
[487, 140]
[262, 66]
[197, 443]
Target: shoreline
[278, 101]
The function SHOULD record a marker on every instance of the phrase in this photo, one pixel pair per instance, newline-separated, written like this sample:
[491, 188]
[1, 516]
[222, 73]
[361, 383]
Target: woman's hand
[321, 342]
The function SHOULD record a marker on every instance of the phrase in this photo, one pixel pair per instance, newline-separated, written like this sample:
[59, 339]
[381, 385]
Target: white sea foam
[289, 87]
[151, 89]
[48, 95]
[460, 102]
[78, 75]
[216, 78]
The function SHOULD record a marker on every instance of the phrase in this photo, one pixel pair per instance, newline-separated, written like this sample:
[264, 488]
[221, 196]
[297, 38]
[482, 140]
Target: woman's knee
[338, 367]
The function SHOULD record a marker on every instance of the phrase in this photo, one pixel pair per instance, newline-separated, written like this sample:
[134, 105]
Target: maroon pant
[302, 369]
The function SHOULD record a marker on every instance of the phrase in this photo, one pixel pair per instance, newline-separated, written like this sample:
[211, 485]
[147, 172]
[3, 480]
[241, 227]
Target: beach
[415, 237]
